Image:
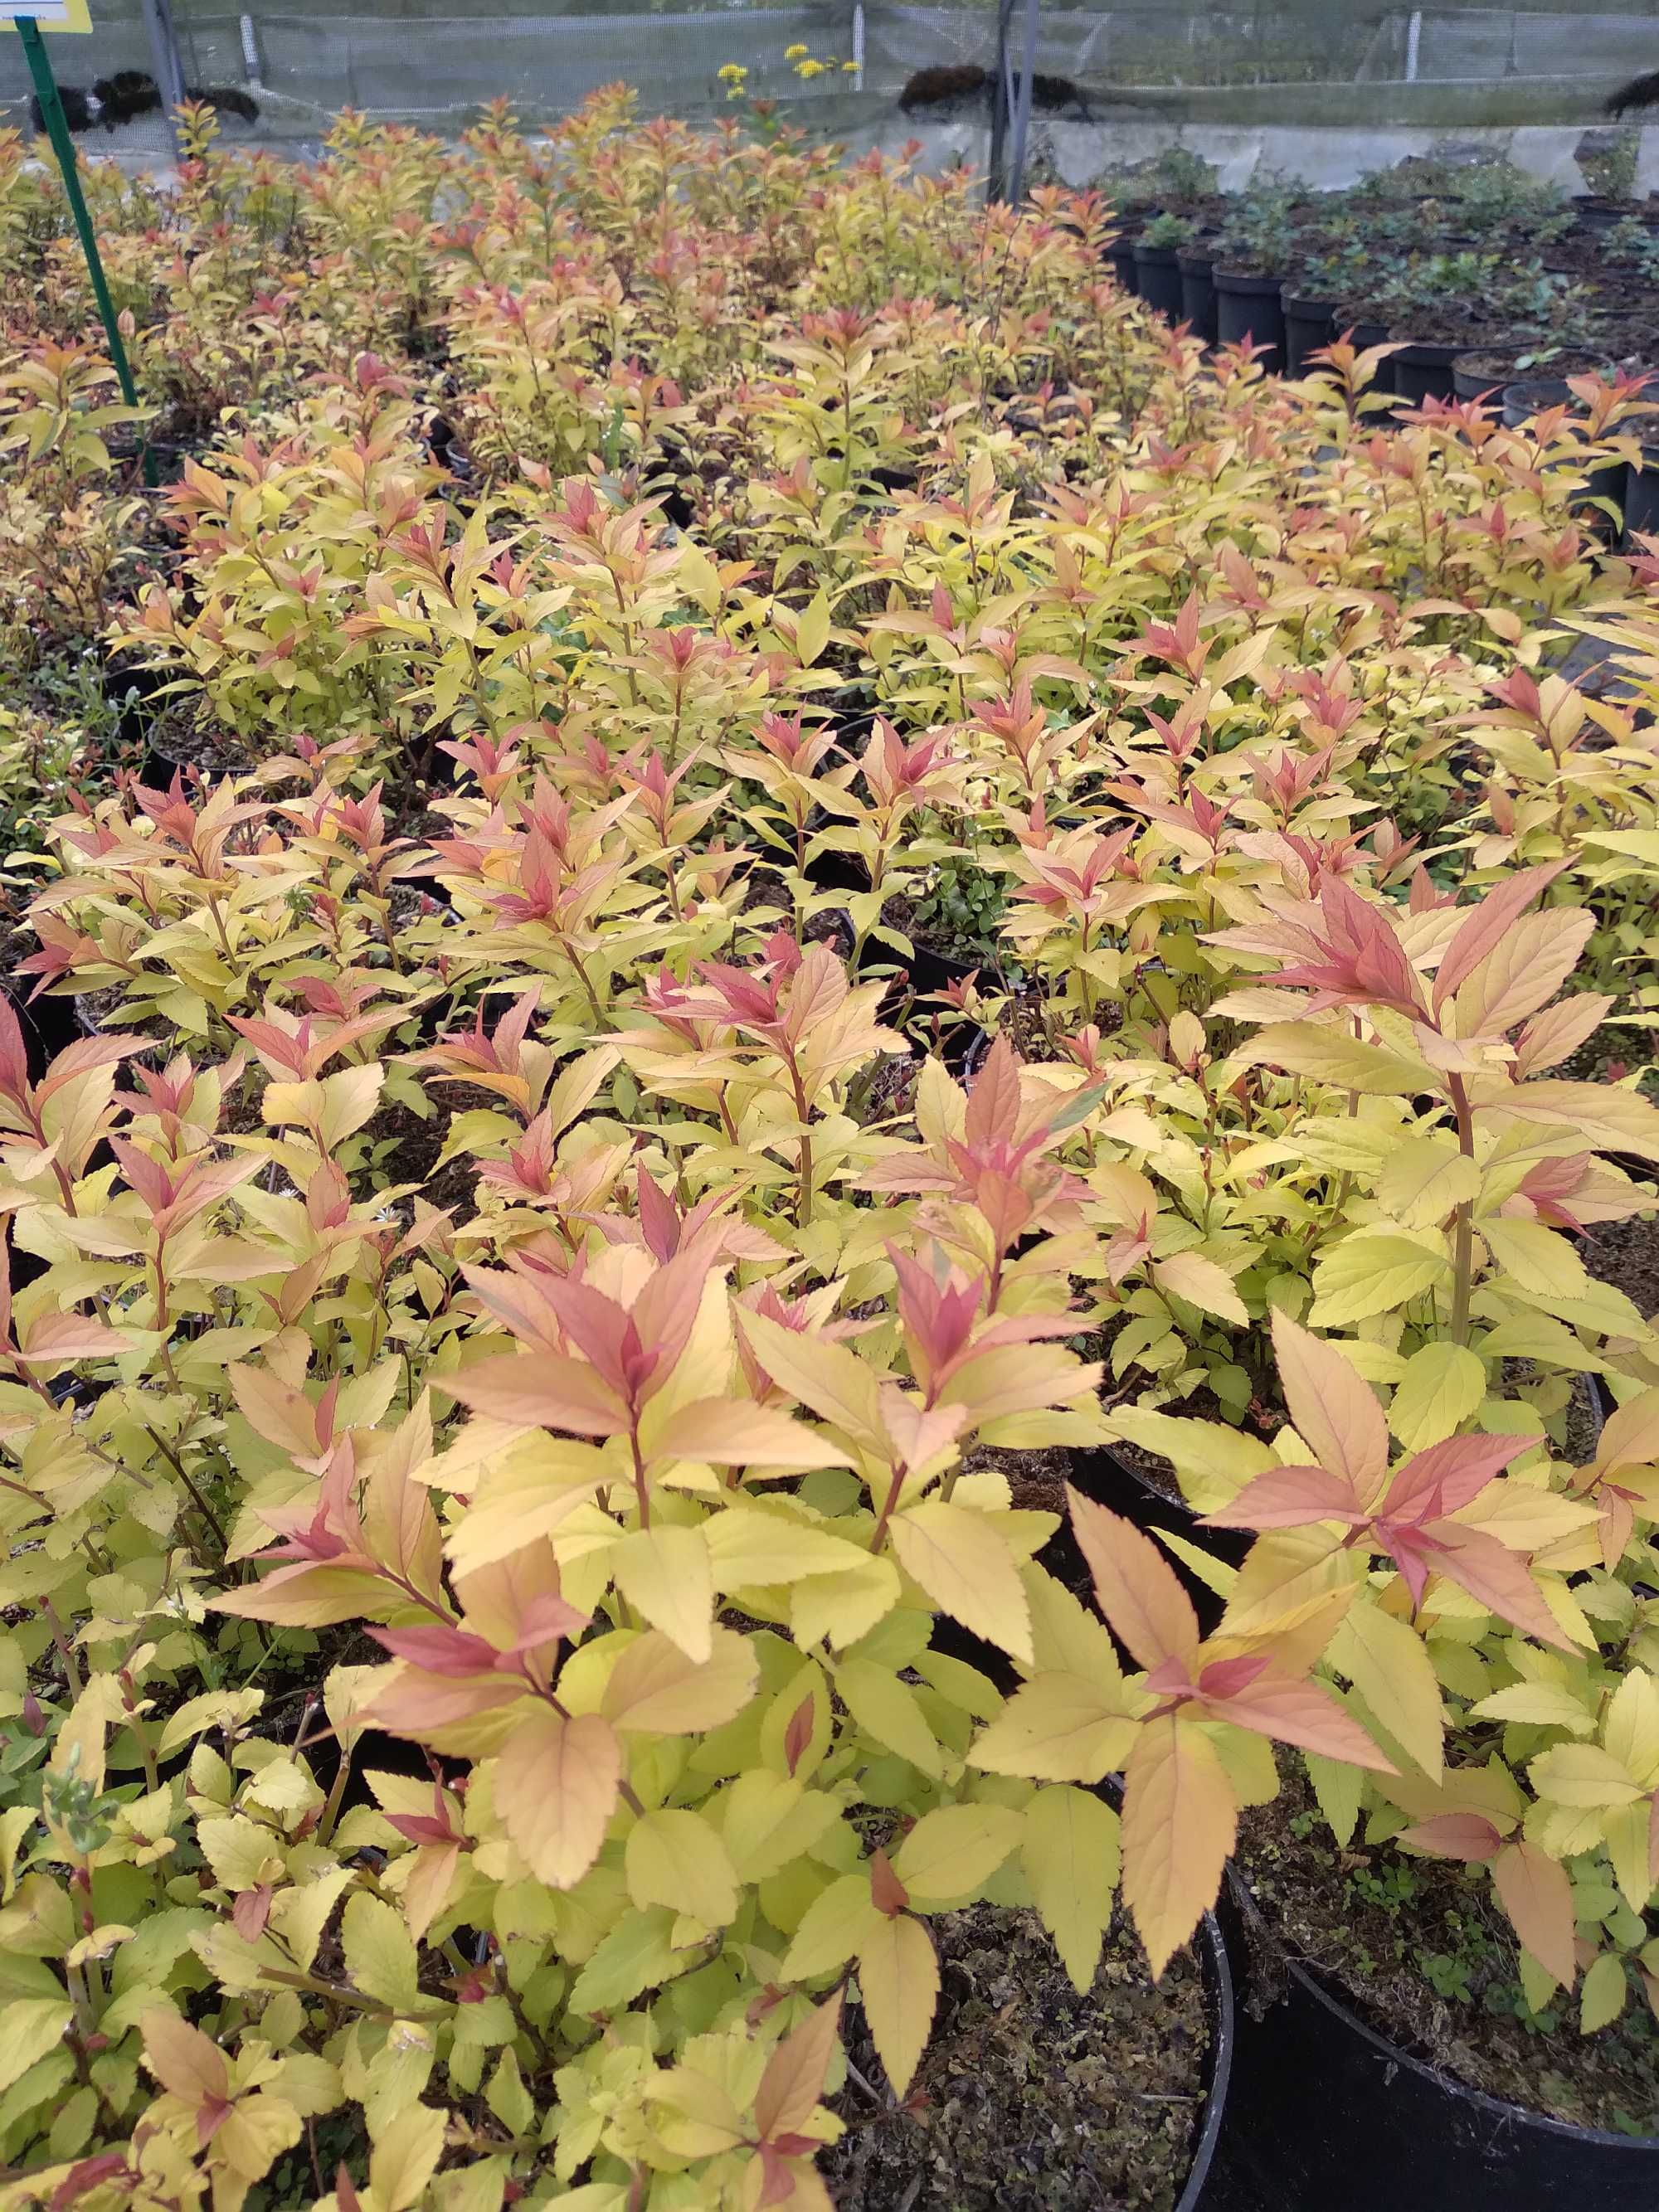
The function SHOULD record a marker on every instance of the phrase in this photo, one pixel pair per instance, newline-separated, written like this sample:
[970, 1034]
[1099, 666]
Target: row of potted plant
[1444, 258]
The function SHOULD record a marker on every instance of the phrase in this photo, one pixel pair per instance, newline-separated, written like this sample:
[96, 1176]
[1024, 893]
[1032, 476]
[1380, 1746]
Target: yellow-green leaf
[752, 1545]
[655, 1689]
[666, 1573]
[1190, 1275]
[966, 1567]
[34, 2026]
[1384, 1659]
[889, 1710]
[405, 2158]
[1335, 1057]
[1070, 1853]
[1581, 1774]
[1372, 1274]
[1602, 1997]
[831, 1929]
[768, 1820]
[898, 1980]
[1425, 1181]
[1441, 1387]
[1542, 1705]
[674, 1857]
[1058, 1728]
[1537, 1258]
[379, 1952]
[949, 1854]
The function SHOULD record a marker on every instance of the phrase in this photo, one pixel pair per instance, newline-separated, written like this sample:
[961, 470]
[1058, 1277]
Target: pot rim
[1245, 280]
[1219, 1989]
[1308, 1978]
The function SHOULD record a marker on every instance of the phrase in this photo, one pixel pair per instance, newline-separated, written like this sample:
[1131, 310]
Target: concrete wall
[1079, 154]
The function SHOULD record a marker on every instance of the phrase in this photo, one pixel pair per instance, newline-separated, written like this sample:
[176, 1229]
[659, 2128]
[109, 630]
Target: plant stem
[1463, 1230]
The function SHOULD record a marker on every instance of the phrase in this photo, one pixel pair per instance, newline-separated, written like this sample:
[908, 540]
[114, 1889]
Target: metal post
[858, 44]
[1414, 44]
[1001, 105]
[1023, 110]
[52, 114]
[169, 69]
[251, 52]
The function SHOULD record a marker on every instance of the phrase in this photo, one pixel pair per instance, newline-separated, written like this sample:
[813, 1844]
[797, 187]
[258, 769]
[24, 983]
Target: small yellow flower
[809, 68]
[794, 53]
[732, 73]
[849, 69]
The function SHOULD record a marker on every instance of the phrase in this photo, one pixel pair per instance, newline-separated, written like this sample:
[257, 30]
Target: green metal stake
[52, 111]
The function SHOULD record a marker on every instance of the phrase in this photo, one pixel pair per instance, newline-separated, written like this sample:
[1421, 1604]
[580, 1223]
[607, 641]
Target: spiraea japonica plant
[538, 1275]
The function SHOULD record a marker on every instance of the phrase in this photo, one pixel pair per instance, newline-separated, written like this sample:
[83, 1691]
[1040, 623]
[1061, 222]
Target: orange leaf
[1335, 1412]
[1301, 1713]
[1453, 1836]
[993, 1102]
[793, 2081]
[1143, 1603]
[1179, 1826]
[539, 1391]
[557, 1781]
[1487, 926]
[1497, 1577]
[183, 2059]
[1538, 1898]
[887, 1893]
[1527, 966]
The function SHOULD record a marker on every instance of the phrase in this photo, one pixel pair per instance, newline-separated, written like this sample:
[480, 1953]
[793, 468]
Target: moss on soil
[1031, 2098]
[1423, 1951]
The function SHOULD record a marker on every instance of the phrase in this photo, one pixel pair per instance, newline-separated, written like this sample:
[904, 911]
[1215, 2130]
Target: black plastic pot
[1325, 2114]
[1483, 371]
[1248, 307]
[159, 765]
[925, 975]
[1122, 258]
[1596, 213]
[832, 871]
[1199, 2195]
[928, 969]
[164, 759]
[1310, 323]
[888, 479]
[1157, 279]
[134, 692]
[1423, 370]
[48, 1026]
[1111, 1481]
[1473, 383]
[1205, 2190]
[1198, 307]
[1641, 494]
[444, 445]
